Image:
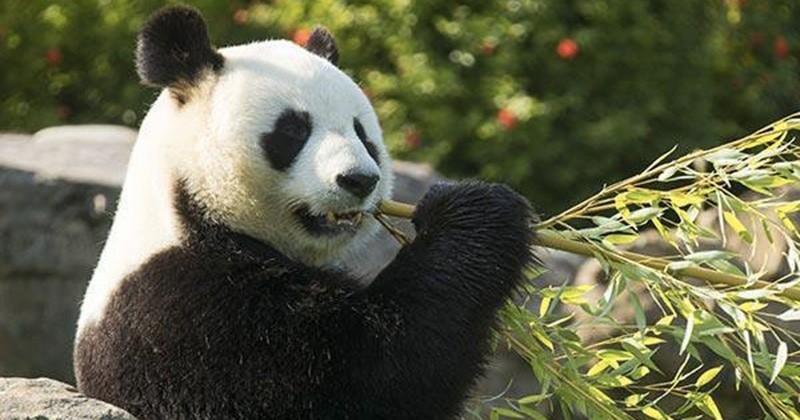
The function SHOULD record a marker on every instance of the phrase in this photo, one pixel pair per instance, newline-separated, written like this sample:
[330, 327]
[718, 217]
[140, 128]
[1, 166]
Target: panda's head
[271, 138]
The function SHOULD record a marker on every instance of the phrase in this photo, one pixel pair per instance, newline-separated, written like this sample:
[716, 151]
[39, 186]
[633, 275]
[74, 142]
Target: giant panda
[219, 293]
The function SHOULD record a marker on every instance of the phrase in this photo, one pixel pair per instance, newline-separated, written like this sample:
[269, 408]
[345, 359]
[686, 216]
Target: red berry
[781, 47]
[53, 56]
[506, 119]
[241, 16]
[301, 36]
[488, 47]
[412, 138]
[567, 49]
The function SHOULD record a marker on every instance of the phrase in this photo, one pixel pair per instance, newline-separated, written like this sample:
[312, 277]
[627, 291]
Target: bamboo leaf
[752, 306]
[707, 376]
[634, 400]
[681, 199]
[620, 239]
[654, 413]
[665, 321]
[687, 335]
[725, 156]
[706, 256]
[533, 399]
[642, 195]
[542, 338]
[710, 406]
[668, 173]
[755, 294]
[790, 315]
[643, 214]
[738, 227]
[505, 412]
[544, 306]
[640, 372]
[780, 361]
[597, 368]
[763, 139]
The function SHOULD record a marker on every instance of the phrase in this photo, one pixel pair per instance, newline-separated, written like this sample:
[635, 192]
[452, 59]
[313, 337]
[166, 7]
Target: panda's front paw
[473, 205]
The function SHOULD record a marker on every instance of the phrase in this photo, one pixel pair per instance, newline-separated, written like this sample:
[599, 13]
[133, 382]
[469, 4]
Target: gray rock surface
[57, 190]
[46, 399]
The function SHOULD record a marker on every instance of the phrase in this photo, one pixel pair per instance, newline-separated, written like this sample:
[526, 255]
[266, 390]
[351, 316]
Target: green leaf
[533, 399]
[780, 361]
[640, 372]
[620, 239]
[755, 294]
[597, 368]
[665, 321]
[752, 306]
[790, 315]
[725, 157]
[615, 381]
[639, 316]
[634, 400]
[681, 199]
[738, 227]
[707, 404]
[654, 413]
[544, 305]
[505, 412]
[642, 195]
[706, 256]
[687, 335]
[668, 173]
[643, 214]
[707, 376]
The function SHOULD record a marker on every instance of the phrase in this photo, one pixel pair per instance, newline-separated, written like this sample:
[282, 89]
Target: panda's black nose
[358, 184]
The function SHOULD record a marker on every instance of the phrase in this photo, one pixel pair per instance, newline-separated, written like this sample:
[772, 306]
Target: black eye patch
[362, 135]
[282, 145]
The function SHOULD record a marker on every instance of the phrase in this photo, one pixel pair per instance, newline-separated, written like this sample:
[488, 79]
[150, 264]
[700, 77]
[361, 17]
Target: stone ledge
[47, 399]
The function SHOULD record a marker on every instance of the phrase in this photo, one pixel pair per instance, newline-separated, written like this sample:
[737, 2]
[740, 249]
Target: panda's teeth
[357, 219]
[330, 217]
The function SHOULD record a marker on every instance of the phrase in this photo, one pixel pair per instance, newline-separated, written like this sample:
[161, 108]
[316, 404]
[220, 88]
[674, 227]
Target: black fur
[362, 135]
[287, 138]
[225, 327]
[173, 50]
[321, 43]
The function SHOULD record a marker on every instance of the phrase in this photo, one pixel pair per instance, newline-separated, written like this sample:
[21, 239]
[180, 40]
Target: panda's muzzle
[330, 222]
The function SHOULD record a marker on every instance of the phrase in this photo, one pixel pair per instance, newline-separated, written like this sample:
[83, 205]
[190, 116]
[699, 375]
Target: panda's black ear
[322, 44]
[173, 49]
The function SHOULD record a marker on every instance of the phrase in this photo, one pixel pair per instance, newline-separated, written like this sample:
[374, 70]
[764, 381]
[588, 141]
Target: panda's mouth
[330, 222]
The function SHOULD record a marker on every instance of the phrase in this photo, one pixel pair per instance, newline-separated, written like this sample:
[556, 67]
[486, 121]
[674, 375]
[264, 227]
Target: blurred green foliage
[553, 97]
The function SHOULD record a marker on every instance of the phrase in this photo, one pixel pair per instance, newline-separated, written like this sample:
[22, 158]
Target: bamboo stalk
[553, 241]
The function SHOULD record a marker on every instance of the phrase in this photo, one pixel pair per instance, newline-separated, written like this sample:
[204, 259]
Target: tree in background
[553, 97]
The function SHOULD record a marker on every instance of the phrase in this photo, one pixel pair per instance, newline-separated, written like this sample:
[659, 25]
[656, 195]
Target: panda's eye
[287, 138]
[362, 135]
[294, 123]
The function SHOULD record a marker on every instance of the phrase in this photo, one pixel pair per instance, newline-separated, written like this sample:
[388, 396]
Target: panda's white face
[288, 150]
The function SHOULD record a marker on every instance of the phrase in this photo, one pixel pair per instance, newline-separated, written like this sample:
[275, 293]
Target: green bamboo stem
[554, 241]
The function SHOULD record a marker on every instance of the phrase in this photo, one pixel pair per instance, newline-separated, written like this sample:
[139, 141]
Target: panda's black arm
[432, 309]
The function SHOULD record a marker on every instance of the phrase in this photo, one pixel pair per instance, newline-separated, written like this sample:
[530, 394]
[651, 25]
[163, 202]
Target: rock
[94, 154]
[46, 399]
[56, 198]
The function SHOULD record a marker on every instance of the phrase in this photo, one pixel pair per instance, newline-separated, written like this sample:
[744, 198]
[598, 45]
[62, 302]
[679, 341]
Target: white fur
[213, 143]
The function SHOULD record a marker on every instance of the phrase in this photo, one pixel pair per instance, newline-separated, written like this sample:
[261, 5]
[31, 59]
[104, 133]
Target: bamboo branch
[554, 241]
